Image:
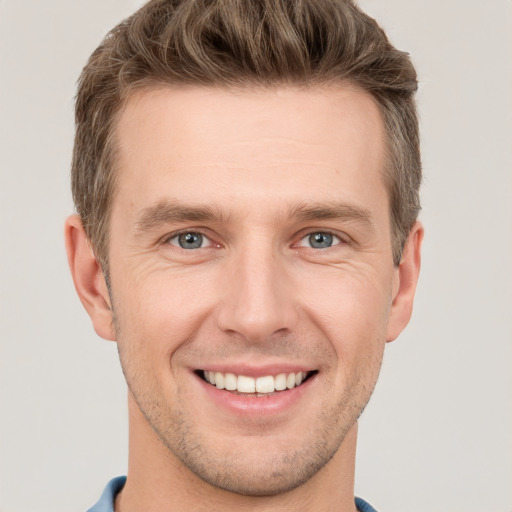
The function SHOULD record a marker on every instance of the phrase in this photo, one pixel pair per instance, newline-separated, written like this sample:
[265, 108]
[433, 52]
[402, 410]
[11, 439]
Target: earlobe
[407, 279]
[88, 278]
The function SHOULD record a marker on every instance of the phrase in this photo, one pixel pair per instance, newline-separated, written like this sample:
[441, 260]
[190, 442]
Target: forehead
[216, 143]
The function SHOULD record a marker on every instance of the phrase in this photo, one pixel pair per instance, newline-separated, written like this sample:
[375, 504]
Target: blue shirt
[106, 501]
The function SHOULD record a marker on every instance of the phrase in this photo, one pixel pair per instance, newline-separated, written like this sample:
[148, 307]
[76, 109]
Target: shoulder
[363, 506]
[106, 501]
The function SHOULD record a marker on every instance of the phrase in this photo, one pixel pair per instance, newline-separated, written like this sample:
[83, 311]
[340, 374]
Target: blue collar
[107, 499]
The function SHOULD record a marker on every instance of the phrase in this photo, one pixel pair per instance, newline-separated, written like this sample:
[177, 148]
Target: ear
[406, 279]
[88, 278]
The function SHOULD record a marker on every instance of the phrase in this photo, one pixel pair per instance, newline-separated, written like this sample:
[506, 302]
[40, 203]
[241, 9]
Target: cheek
[347, 301]
[157, 313]
[351, 310]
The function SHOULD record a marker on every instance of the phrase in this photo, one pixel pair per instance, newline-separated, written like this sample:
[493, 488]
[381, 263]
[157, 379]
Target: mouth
[262, 386]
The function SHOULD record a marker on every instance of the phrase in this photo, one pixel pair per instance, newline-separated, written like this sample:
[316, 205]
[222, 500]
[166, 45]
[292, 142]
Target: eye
[320, 240]
[190, 240]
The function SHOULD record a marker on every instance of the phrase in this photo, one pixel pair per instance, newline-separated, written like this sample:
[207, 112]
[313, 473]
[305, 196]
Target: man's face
[250, 239]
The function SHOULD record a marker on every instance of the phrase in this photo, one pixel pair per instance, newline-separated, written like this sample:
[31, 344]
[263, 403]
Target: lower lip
[274, 403]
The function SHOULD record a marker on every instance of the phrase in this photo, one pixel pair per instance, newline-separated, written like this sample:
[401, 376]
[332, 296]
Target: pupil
[190, 240]
[320, 240]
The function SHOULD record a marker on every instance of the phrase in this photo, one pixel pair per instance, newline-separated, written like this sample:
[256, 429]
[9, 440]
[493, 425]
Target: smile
[249, 385]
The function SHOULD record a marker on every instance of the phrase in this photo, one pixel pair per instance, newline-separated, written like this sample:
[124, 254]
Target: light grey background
[437, 435]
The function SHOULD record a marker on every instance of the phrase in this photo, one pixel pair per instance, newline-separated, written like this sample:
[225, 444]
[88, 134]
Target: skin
[260, 170]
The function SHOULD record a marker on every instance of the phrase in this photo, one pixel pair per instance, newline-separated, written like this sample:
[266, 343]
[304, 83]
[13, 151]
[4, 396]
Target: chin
[242, 477]
[255, 466]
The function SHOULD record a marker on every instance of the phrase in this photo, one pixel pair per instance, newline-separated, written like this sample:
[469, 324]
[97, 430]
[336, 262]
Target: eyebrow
[172, 211]
[305, 211]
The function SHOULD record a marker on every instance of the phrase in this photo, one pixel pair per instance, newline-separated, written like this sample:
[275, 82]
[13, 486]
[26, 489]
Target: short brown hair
[235, 43]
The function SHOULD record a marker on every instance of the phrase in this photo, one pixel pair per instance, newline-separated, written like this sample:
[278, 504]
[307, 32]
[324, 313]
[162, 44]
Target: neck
[158, 482]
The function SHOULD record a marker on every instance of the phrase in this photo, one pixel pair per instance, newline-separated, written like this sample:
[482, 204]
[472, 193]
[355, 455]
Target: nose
[258, 298]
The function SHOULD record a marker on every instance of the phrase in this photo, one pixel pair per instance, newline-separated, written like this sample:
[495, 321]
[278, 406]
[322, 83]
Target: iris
[320, 240]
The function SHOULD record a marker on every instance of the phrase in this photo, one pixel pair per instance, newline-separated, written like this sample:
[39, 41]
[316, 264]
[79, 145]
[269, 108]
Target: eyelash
[175, 236]
[337, 239]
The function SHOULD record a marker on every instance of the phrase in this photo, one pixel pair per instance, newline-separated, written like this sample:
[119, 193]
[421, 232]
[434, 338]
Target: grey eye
[190, 240]
[320, 240]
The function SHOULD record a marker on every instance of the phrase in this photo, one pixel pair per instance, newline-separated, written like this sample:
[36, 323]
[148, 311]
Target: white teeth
[219, 380]
[280, 382]
[210, 377]
[265, 384]
[244, 384]
[230, 381]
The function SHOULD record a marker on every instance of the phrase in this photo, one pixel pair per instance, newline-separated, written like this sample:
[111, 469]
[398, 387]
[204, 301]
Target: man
[246, 178]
